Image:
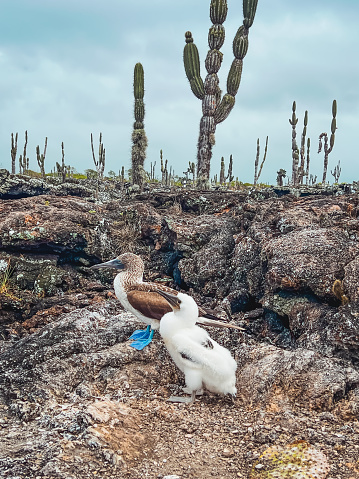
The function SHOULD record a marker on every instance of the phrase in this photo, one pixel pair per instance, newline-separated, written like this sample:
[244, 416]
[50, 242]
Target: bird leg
[187, 390]
[141, 340]
[141, 333]
[185, 400]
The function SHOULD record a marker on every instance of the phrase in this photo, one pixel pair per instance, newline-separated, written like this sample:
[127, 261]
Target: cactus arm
[192, 66]
[249, 11]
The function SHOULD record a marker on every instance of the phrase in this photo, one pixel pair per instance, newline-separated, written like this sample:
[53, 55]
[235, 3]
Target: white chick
[202, 360]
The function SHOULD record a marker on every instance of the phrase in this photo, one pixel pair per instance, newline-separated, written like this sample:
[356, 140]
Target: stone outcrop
[284, 268]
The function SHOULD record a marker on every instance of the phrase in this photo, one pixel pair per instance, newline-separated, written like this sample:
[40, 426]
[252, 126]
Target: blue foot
[140, 343]
[141, 333]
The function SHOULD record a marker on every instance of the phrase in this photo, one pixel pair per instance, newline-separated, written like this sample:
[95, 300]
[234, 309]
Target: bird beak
[114, 263]
[171, 298]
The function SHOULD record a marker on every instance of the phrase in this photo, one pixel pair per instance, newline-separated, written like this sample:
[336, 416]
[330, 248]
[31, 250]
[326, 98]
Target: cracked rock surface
[77, 401]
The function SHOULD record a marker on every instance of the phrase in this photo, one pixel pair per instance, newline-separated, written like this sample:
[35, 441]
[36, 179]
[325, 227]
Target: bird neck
[129, 278]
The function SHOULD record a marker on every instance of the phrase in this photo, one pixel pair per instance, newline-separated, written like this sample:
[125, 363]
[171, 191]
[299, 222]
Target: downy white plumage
[203, 361]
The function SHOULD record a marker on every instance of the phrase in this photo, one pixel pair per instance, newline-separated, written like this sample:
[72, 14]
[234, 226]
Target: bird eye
[179, 301]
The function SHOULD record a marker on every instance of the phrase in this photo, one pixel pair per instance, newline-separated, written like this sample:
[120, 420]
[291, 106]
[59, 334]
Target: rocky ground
[77, 401]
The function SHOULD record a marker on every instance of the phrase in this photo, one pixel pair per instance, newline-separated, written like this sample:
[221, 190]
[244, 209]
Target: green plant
[337, 172]
[338, 292]
[13, 152]
[327, 149]
[281, 174]
[41, 158]
[61, 169]
[215, 108]
[257, 173]
[222, 177]
[4, 282]
[299, 171]
[100, 162]
[23, 161]
[298, 460]
[139, 138]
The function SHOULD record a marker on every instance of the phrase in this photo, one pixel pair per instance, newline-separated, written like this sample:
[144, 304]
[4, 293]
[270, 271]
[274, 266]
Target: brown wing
[149, 303]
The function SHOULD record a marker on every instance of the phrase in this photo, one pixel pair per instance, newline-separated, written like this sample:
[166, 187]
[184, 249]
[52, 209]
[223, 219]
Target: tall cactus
[327, 149]
[139, 139]
[295, 150]
[215, 108]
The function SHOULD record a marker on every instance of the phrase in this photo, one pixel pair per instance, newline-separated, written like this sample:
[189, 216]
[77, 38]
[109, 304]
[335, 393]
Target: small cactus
[302, 169]
[41, 158]
[13, 152]
[257, 173]
[337, 172]
[297, 460]
[23, 161]
[328, 149]
[165, 175]
[61, 169]
[281, 174]
[100, 162]
[222, 177]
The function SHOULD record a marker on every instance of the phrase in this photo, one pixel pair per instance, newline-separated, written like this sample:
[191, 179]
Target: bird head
[126, 261]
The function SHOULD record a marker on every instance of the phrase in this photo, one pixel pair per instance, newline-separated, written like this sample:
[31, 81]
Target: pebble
[227, 452]
[171, 477]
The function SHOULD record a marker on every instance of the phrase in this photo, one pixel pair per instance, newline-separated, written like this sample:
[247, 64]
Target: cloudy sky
[67, 70]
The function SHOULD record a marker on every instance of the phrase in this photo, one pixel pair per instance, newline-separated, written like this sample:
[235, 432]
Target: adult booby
[142, 298]
[202, 360]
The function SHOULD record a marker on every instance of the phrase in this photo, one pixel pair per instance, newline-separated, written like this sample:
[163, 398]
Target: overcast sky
[67, 70]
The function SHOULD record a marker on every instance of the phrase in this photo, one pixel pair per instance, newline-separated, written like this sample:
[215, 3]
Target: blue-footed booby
[142, 299]
[202, 360]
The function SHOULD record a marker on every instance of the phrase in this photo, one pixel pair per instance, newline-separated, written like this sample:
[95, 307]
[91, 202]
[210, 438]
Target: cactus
[295, 151]
[221, 173]
[23, 161]
[41, 158]
[215, 108]
[13, 152]
[100, 163]
[337, 172]
[61, 169]
[303, 171]
[152, 174]
[230, 177]
[281, 174]
[164, 170]
[299, 171]
[308, 160]
[222, 177]
[296, 460]
[139, 139]
[327, 149]
[122, 175]
[191, 170]
[257, 173]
